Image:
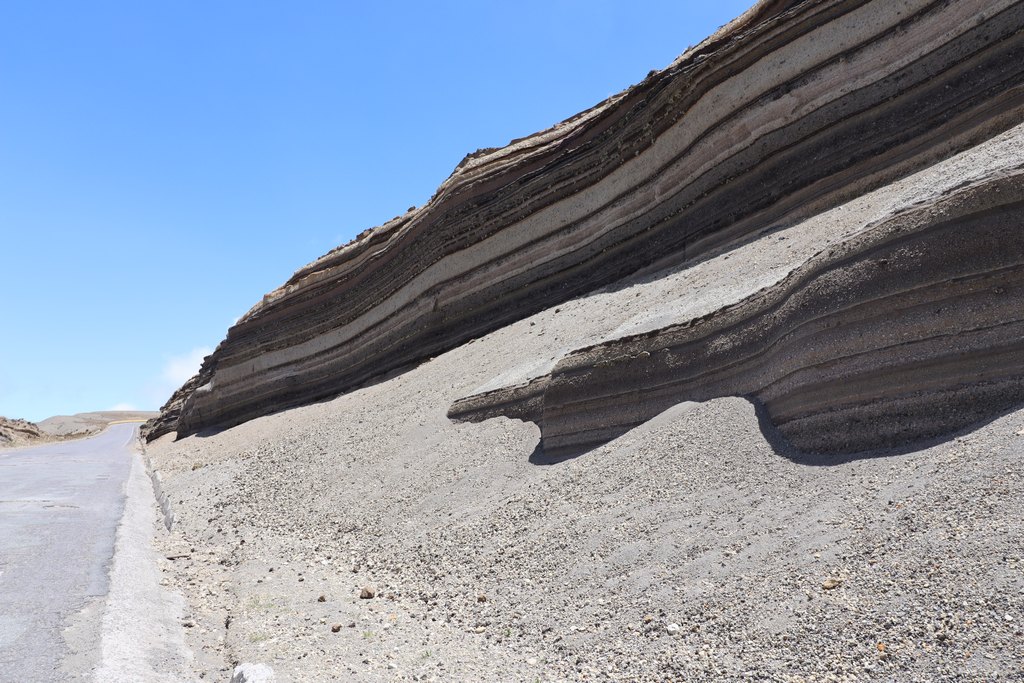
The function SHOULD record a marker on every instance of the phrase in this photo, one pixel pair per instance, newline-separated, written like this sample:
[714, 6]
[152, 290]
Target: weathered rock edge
[791, 109]
[911, 329]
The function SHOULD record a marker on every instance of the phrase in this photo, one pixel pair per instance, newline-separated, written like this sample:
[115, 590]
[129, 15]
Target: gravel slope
[491, 567]
[693, 519]
[696, 547]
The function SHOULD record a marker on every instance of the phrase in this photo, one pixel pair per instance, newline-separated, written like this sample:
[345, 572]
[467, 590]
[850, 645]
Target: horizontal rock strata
[791, 109]
[910, 329]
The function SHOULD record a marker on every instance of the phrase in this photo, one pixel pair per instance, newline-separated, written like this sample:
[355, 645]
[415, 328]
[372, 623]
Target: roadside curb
[142, 637]
[162, 499]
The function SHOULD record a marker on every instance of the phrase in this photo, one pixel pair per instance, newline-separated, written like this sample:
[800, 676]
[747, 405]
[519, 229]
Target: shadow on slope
[775, 439]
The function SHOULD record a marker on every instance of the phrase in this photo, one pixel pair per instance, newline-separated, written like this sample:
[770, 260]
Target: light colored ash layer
[787, 112]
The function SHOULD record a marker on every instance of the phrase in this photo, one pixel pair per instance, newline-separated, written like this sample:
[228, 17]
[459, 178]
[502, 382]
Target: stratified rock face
[791, 109]
[170, 412]
[909, 329]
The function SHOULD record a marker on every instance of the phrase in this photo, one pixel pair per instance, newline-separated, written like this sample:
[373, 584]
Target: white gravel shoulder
[142, 638]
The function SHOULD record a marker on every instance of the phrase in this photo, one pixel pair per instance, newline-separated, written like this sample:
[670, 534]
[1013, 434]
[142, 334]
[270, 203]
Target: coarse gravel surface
[489, 567]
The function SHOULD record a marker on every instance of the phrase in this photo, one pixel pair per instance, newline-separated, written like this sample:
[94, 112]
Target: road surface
[60, 505]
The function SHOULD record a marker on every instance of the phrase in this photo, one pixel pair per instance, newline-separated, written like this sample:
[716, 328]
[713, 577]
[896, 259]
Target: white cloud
[176, 371]
[123, 406]
[179, 369]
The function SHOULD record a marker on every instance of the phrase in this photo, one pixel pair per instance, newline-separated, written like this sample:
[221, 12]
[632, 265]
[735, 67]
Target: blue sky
[164, 164]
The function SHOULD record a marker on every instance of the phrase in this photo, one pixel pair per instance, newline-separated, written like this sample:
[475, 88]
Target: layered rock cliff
[788, 112]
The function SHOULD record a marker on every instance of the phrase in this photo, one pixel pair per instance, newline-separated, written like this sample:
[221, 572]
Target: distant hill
[71, 425]
[17, 432]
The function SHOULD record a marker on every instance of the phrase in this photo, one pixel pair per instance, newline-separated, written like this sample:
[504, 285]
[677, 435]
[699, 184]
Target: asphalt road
[60, 505]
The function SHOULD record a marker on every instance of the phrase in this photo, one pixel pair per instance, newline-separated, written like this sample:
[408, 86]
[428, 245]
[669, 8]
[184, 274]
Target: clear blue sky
[164, 164]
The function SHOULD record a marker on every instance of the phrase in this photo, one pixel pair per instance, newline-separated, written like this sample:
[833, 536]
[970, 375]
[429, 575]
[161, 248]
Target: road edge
[141, 632]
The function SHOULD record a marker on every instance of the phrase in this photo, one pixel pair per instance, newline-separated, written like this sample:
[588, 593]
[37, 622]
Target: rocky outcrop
[15, 432]
[791, 109]
[908, 329]
[170, 412]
